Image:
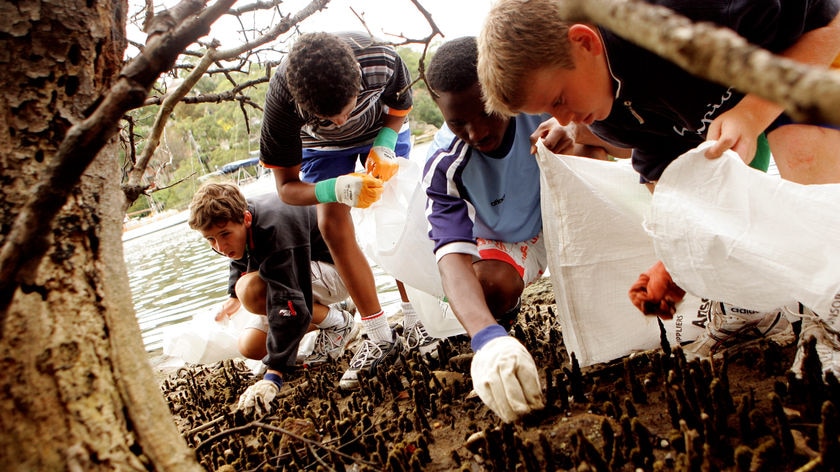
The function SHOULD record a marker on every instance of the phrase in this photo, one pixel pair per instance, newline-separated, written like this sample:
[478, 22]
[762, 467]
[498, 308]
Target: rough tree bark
[76, 390]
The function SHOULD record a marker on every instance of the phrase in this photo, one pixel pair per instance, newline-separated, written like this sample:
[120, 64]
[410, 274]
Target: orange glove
[655, 293]
[354, 190]
[381, 160]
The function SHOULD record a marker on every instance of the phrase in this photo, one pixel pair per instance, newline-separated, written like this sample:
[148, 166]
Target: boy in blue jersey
[532, 59]
[483, 187]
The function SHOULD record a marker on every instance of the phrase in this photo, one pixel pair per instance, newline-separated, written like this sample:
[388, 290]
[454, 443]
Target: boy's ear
[586, 37]
[247, 219]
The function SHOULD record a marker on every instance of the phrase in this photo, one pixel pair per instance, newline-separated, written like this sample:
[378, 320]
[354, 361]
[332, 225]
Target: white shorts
[327, 288]
[529, 257]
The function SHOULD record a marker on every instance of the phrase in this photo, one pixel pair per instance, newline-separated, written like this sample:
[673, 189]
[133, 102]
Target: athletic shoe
[369, 356]
[418, 338]
[729, 326]
[330, 342]
[828, 345]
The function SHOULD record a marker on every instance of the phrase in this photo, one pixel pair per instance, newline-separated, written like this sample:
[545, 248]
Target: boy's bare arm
[738, 128]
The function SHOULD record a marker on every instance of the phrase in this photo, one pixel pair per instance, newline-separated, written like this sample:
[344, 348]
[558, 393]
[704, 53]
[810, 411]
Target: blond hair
[215, 204]
[519, 37]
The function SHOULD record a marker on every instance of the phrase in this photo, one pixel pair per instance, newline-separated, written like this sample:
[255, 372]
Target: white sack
[592, 221]
[393, 234]
[728, 232]
[202, 340]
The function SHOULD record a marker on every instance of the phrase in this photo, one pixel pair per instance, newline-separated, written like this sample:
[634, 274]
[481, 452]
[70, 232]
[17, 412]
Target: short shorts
[318, 165]
[529, 257]
[327, 288]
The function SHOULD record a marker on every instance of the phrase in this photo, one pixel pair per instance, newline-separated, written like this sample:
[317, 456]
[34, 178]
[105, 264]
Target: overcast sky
[454, 17]
[384, 18]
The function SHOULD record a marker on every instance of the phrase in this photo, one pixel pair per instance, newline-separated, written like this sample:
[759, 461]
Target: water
[174, 275]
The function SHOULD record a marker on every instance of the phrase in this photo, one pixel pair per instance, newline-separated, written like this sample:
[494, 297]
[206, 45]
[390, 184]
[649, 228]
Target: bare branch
[28, 239]
[135, 186]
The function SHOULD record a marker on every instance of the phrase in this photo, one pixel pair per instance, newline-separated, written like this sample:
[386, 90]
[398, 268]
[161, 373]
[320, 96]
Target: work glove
[504, 374]
[261, 395]
[655, 293]
[354, 190]
[381, 160]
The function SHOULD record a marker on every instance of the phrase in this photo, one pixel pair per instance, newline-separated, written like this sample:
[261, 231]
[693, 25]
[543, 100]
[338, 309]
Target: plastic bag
[728, 232]
[592, 221]
[393, 234]
[202, 340]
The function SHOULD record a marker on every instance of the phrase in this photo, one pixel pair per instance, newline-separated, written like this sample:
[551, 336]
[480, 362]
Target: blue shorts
[322, 165]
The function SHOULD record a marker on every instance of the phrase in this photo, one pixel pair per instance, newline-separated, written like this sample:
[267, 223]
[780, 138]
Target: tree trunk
[76, 390]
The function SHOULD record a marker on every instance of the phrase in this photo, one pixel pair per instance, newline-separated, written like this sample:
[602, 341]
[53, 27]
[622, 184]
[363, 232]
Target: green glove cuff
[325, 191]
[386, 138]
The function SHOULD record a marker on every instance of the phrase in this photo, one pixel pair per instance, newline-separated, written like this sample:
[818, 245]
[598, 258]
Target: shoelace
[367, 352]
[419, 338]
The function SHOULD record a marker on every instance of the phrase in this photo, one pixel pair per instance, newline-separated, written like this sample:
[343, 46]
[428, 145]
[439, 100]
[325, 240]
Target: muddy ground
[649, 412]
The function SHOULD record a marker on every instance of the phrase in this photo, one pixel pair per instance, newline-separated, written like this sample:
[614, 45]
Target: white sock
[334, 318]
[377, 328]
[409, 315]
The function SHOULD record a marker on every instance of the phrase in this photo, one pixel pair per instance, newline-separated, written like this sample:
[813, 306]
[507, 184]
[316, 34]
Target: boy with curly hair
[336, 100]
[281, 270]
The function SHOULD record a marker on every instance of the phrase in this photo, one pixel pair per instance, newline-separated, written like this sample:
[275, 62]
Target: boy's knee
[251, 344]
[806, 154]
[251, 292]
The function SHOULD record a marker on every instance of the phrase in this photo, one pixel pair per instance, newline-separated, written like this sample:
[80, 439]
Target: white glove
[506, 379]
[354, 190]
[260, 396]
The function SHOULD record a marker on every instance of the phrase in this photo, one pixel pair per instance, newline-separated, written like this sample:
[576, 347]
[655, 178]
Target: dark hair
[215, 204]
[323, 74]
[453, 67]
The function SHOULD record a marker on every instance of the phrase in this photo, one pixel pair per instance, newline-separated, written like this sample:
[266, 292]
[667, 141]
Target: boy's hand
[504, 375]
[738, 128]
[354, 190]
[381, 160]
[228, 308]
[260, 395]
[655, 293]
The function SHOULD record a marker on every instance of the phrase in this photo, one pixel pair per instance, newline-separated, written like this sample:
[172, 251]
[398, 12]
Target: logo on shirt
[497, 201]
[708, 117]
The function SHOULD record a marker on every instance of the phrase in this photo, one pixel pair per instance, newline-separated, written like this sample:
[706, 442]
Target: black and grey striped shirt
[286, 129]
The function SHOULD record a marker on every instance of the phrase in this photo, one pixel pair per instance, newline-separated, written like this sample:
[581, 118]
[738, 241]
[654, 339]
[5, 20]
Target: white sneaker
[828, 345]
[330, 342]
[369, 355]
[418, 338]
[728, 326]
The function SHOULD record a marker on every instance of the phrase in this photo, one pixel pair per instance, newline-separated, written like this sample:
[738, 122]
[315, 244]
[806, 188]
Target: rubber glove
[261, 394]
[354, 190]
[504, 374]
[655, 293]
[381, 160]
